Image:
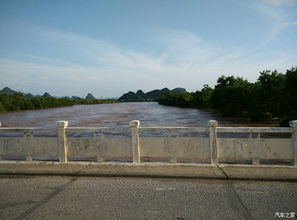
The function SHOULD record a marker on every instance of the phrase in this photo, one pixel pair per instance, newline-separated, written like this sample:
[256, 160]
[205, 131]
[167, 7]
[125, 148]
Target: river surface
[109, 115]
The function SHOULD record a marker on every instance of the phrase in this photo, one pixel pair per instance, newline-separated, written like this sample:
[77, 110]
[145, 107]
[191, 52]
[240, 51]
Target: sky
[109, 47]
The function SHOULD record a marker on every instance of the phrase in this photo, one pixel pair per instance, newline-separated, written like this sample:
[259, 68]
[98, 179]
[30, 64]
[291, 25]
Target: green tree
[289, 106]
[231, 96]
[201, 99]
[271, 94]
[2, 109]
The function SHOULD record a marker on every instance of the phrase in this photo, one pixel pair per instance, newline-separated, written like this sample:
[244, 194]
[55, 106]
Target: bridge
[213, 172]
[196, 152]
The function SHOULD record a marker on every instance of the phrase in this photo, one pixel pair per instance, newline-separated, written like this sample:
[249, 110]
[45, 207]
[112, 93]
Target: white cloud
[281, 2]
[182, 48]
[289, 24]
[107, 70]
[277, 16]
[105, 54]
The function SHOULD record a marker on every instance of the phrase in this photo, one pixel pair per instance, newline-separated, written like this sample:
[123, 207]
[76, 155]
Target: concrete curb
[259, 172]
[122, 169]
[151, 169]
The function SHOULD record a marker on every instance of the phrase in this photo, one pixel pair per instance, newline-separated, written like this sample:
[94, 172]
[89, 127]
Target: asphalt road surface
[57, 197]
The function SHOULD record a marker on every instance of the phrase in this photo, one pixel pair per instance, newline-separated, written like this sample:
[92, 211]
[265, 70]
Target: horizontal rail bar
[173, 129]
[97, 129]
[22, 129]
[158, 129]
[254, 130]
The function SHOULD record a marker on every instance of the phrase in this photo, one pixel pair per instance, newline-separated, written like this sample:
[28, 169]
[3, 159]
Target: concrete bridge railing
[205, 145]
[196, 152]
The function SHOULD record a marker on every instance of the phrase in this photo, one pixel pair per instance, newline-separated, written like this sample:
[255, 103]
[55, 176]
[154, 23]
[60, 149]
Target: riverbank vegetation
[18, 101]
[272, 97]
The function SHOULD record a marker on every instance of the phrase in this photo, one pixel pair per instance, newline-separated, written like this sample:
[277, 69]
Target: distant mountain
[29, 96]
[179, 90]
[140, 92]
[8, 91]
[46, 95]
[153, 95]
[76, 98]
[90, 97]
[131, 97]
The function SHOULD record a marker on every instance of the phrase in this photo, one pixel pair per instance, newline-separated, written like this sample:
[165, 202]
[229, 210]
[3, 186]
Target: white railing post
[135, 140]
[213, 141]
[293, 124]
[28, 135]
[62, 140]
[256, 160]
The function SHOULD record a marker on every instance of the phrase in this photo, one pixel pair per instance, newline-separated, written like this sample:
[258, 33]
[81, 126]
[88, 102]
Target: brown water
[108, 115]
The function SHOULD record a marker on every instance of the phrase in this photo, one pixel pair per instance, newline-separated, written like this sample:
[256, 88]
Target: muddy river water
[109, 115]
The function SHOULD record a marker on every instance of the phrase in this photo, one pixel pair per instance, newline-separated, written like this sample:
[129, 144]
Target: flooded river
[109, 115]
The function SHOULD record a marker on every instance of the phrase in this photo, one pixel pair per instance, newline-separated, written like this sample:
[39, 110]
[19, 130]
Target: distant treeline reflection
[272, 97]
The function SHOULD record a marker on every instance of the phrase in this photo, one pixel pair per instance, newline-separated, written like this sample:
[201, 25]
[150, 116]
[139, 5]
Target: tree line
[272, 97]
[13, 102]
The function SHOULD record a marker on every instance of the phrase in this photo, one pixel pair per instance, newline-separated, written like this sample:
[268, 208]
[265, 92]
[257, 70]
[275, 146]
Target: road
[65, 197]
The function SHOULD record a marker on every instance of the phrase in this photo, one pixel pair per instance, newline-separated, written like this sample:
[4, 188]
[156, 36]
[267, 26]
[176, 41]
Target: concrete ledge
[112, 169]
[260, 172]
[151, 169]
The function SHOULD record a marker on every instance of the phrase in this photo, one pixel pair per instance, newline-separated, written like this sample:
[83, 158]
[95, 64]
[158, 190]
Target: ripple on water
[109, 115]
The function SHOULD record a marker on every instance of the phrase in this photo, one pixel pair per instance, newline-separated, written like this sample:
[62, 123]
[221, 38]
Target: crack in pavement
[236, 197]
[51, 195]
[46, 199]
[241, 207]
[13, 204]
[83, 169]
[227, 177]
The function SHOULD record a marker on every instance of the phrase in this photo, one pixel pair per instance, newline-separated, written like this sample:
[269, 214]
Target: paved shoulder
[54, 197]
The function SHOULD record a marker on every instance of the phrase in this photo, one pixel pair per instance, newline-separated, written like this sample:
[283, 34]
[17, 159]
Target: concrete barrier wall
[255, 148]
[37, 146]
[134, 146]
[175, 147]
[99, 147]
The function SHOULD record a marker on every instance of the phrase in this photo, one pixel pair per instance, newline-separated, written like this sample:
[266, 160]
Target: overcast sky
[108, 47]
